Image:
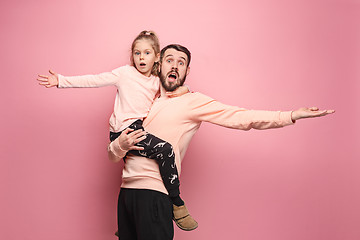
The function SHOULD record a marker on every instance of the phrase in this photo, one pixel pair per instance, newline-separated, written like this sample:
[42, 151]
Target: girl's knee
[168, 147]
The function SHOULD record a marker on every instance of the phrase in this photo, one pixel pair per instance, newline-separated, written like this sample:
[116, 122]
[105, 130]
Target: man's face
[173, 69]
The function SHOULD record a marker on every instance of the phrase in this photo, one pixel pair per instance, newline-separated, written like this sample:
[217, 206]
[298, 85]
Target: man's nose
[174, 65]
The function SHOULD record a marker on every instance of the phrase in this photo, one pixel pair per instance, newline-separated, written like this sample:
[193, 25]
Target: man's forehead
[175, 53]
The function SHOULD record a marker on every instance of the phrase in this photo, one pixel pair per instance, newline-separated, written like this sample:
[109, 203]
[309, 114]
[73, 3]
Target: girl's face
[144, 56]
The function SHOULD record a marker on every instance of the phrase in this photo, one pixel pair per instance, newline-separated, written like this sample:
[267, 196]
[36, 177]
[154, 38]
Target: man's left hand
[309, 113]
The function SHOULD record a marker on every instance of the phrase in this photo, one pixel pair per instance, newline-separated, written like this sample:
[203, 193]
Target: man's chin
[170, 88]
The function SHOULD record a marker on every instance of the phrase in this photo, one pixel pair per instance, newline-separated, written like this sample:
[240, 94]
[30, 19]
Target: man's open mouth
[172, 76]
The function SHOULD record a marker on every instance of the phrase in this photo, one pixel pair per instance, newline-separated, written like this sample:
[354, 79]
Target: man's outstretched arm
[204, 108]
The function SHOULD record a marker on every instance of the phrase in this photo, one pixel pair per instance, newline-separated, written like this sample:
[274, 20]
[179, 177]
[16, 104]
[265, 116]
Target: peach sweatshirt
[134, 97]
[176, 120]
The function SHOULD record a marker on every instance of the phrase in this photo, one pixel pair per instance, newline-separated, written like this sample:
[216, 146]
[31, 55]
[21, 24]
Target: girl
[137, 87]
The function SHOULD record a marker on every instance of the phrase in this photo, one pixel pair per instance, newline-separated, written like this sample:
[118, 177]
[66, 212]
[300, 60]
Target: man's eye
[168, 60]
[181, 63]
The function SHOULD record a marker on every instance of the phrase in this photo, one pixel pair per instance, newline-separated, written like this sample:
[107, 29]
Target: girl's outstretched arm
[84, 81]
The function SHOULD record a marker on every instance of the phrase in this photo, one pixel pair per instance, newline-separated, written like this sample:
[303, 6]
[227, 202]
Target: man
[144, 210]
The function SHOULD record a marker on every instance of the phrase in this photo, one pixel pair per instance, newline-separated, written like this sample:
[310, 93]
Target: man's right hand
[128, 138]
[49, 81]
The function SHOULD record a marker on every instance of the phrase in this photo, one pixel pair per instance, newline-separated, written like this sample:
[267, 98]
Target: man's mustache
[174, 71]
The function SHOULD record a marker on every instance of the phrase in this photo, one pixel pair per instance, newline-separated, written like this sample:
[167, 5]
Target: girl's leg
[163, 153]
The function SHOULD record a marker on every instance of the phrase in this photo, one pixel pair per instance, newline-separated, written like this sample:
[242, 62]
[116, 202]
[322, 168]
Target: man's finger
[139, 134]
[135, 132]
[127, 130]
[321, 113]
[136, 148]
[140, 139]
[50, 71]
[43, 76]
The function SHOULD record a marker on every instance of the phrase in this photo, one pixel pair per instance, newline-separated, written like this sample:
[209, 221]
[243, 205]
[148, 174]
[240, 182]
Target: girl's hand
[128, 138]
[178, 92]
[49, 81]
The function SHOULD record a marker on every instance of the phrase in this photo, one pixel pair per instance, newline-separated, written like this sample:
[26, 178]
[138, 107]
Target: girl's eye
[137, 53]
[147, 53]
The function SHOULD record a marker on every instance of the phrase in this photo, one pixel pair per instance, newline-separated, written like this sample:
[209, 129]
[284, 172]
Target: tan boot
[183, 219]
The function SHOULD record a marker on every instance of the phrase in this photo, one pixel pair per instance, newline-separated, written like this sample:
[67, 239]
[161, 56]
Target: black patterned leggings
[162, 152]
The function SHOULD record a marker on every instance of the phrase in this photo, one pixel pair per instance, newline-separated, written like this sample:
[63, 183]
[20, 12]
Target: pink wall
[297, 183]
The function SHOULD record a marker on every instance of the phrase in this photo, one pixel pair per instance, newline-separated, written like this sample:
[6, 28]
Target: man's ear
[159, 67]
[187, 71]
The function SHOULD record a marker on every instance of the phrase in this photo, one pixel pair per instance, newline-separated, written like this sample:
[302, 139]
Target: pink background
[300, 182]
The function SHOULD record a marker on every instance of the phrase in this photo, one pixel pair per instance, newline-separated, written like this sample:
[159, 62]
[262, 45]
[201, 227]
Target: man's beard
[171, 86]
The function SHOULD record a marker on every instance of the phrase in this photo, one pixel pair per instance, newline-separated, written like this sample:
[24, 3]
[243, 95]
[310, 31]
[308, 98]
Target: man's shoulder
[198, 96]
[194, 99]
[195, 95]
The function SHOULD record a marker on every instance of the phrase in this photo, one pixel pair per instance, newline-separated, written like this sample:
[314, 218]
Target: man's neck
[163, 92]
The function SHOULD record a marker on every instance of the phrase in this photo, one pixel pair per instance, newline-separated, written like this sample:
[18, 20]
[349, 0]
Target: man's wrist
[121, 147]
[116, 150]
[294, 116]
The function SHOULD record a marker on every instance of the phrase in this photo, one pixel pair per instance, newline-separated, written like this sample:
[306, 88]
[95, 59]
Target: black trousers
[162, 152]
[144, 215]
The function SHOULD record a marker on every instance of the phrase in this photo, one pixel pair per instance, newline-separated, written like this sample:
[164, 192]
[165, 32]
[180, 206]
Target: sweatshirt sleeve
[207, 109]
[89, 81]
[114, 152]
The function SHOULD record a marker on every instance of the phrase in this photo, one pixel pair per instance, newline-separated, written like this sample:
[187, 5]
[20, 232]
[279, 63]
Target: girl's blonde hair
[148, 35]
